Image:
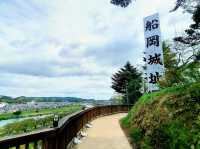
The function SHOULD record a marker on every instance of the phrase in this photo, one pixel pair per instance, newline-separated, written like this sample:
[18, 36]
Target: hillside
[168, 119]
[43, 99]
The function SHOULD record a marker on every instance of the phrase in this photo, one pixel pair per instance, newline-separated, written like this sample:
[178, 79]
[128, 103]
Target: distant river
[5, 122]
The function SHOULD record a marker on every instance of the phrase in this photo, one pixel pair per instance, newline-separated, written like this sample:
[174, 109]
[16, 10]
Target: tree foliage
[17, 112]
[122, 3]
[179, 68]
[123, 76]
[172, 75]
[127, 78]
[117, 99]
[191, 38]
[183, 64]
[188, 51]
[188, 5]
[134, 92]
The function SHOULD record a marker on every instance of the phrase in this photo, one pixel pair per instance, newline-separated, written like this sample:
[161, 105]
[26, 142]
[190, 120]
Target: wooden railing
[60, 137]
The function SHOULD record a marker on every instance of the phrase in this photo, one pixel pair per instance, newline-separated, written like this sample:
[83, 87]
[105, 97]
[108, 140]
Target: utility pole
[127, 99]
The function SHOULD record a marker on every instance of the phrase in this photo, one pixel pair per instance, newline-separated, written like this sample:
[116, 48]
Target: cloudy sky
[72, 47]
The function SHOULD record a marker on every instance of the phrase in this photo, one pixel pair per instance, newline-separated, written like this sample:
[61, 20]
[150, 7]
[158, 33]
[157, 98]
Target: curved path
[105, 133]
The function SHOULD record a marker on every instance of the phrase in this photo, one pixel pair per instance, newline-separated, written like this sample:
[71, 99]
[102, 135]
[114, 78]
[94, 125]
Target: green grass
[147, 99]
[31, 124]
[136, 134]
[167, 119]
[30, 113]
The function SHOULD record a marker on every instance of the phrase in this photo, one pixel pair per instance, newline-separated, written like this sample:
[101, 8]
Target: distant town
[9, 104]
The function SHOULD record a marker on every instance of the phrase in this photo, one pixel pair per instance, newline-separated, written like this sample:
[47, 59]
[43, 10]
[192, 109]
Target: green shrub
[179, 135]
[125, 122]
[194, 92]
[17, 112]
[136, 135]
[159, 139]
[146, 143]
[173, 135]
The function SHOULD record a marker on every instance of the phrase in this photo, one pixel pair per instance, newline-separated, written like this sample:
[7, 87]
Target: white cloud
[71, 48]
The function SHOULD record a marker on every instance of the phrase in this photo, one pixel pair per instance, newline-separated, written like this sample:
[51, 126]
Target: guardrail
[60, 137]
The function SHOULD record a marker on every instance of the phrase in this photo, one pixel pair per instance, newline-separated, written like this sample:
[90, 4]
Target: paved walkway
[105, 133]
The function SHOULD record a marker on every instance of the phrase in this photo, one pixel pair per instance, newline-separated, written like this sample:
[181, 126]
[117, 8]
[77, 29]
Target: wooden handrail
[61, 136]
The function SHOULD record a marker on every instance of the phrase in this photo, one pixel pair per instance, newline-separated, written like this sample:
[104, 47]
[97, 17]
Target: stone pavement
[105, 133]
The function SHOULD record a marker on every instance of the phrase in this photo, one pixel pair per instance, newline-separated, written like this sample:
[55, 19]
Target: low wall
[59, 137]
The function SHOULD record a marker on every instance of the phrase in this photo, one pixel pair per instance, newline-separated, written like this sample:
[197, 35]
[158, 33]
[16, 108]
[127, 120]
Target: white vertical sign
[153, 51]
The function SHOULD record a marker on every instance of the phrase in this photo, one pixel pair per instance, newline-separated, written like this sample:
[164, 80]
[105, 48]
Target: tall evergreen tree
[133, 91]
[128, 79]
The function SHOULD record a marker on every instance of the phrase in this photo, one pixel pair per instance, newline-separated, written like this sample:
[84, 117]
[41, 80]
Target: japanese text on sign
[153, 51]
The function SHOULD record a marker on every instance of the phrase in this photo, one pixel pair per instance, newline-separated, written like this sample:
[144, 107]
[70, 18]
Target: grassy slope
[168, 119]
